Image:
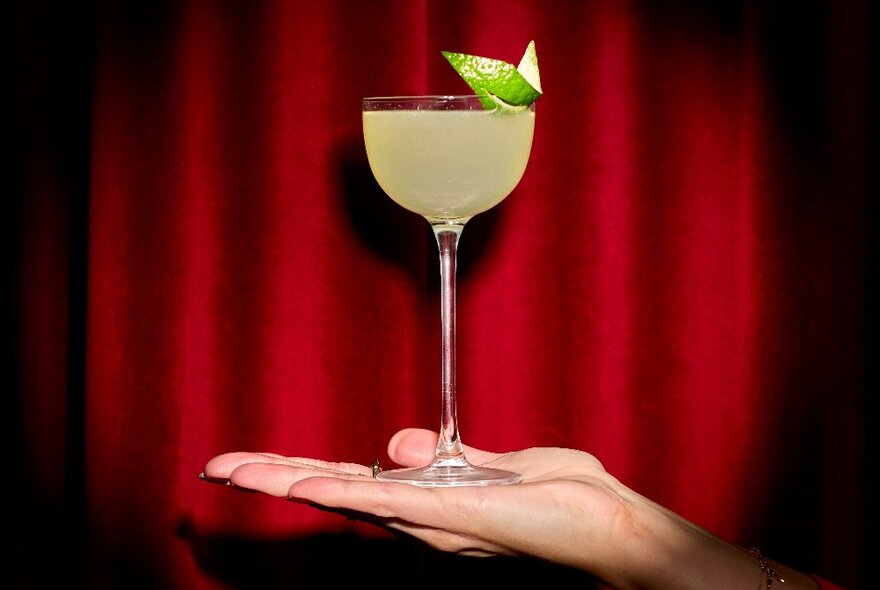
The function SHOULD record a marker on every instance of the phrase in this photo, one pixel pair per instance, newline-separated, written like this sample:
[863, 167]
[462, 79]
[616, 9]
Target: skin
[567, 510]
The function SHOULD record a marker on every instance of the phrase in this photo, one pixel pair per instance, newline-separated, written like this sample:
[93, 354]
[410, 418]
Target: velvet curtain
[200, 261]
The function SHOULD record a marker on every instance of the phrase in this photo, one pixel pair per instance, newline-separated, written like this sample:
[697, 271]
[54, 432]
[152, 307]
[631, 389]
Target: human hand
[565, 510]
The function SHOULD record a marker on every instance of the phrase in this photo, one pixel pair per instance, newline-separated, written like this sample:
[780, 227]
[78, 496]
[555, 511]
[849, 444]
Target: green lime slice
[504, 86]
[528, 67]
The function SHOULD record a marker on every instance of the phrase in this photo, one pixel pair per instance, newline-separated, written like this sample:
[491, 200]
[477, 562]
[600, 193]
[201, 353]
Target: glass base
[443, 476]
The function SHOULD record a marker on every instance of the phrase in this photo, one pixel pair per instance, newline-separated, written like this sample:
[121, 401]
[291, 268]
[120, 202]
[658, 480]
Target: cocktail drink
[447, 158]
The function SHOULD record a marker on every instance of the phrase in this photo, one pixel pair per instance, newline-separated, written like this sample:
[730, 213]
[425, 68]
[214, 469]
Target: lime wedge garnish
[528, 67]
[500, 84]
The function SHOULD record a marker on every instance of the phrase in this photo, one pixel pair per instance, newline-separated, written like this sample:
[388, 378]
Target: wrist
[667, 551]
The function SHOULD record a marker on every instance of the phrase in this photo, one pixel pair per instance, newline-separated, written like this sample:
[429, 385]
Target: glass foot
[442, 476]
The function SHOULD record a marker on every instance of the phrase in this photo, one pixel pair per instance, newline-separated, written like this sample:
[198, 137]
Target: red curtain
[200, 261]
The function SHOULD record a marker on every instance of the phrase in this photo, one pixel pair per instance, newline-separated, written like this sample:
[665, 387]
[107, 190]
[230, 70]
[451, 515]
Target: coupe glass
[447, 159]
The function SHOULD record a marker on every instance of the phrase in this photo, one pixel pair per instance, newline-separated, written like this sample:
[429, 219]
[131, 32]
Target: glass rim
[424, 97]
[438, 102]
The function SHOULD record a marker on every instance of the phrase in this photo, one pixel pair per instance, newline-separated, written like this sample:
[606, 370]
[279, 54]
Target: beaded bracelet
[767, 572]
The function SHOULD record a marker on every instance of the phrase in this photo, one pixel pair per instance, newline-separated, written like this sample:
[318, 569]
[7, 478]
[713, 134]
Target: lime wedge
[503, 85]
[528, 67]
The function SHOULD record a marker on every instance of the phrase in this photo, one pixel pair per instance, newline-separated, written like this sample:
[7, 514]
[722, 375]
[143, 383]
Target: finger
[219, 468]
[276, 479]
[385, 500]
[455, 509]
[414, 447]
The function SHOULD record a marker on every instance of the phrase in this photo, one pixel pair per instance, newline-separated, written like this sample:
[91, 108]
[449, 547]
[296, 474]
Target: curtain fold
[201, 261]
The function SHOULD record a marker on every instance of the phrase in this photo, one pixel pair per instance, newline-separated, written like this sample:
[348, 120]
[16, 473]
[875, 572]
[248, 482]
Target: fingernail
[216, 480]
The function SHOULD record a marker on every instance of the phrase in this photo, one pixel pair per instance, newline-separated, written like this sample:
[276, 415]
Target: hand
[567, 510]
[562, 491]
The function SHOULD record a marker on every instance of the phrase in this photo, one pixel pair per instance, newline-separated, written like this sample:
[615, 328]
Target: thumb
[414, 447]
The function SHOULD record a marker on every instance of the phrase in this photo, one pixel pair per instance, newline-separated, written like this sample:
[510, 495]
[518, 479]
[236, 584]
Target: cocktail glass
[447, 159]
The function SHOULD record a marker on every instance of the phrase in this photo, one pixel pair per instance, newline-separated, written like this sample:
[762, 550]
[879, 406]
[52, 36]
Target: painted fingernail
[216, 480]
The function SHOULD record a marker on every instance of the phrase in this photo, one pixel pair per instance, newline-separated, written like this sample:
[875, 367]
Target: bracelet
[767, 572]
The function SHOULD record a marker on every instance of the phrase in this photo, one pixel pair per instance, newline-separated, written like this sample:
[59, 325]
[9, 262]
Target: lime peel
[528, 67]
[499, 84]
[492, 102]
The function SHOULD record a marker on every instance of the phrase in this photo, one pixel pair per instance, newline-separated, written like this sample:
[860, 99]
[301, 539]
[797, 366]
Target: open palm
[565, 510]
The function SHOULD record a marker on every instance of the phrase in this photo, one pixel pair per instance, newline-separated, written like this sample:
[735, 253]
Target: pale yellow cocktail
[448, 165]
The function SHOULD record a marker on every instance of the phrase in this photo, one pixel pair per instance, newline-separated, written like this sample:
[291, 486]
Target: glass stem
[449, 450]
